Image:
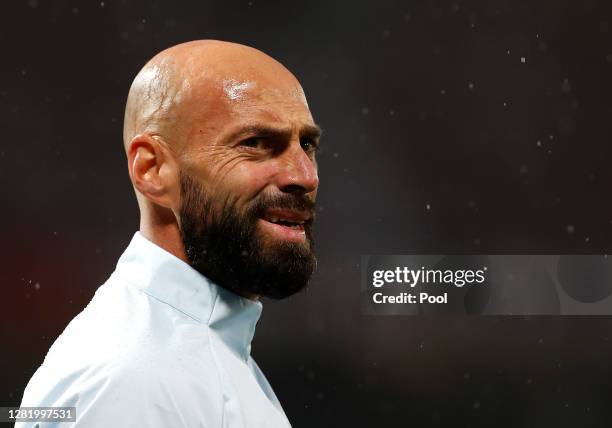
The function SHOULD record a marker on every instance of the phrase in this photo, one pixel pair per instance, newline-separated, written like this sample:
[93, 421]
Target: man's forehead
[233, 96]
[236, 90]
[241, 105]
[279, 108]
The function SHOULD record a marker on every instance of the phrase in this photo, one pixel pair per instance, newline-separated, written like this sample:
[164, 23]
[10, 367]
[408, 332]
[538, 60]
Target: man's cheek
[251, 177]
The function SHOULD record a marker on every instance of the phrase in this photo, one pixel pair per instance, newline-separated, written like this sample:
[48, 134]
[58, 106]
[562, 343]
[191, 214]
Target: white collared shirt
[159, 345]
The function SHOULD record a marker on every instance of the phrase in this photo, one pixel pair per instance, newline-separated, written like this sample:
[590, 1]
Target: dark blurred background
[450, 127]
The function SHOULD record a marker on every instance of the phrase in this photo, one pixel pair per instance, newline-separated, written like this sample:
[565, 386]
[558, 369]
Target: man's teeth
[292, 223]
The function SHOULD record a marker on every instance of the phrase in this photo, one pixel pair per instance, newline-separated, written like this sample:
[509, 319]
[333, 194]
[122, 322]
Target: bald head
[191, 84]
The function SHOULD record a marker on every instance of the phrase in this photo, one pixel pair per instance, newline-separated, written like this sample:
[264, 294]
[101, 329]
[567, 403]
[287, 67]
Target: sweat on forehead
[201, 73]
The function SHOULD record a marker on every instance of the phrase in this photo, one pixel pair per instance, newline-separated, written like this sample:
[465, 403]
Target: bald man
[221, 148]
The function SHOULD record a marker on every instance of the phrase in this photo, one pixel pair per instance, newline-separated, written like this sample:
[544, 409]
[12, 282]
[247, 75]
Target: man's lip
[278, 231]
[291, 215]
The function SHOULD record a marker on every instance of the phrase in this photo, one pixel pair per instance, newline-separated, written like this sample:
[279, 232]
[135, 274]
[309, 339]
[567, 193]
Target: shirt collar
[167, 278]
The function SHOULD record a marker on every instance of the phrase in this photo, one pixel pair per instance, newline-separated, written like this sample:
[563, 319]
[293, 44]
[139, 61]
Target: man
[221, 153]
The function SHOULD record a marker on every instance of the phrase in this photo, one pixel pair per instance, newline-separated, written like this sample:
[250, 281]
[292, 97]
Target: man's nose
[297, 172]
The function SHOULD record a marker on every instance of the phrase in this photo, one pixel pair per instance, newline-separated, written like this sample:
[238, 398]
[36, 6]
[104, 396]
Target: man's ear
[152, 169]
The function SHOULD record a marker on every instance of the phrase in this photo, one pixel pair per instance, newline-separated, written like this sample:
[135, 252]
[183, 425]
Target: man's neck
[167, 237]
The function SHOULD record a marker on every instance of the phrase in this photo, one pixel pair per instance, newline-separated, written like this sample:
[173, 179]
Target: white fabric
[158, 346]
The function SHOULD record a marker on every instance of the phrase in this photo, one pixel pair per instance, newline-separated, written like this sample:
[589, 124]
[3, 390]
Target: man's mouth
[286, 224]
[295, 225]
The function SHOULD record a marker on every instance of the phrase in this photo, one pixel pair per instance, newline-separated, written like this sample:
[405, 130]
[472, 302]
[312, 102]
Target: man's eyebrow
[308, 131]
[311, 131]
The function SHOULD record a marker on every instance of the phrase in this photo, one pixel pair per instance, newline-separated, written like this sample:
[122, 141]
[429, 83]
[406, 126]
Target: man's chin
[276, 250]
[279, 252]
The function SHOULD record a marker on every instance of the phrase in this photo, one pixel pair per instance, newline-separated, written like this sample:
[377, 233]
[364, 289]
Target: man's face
[248, 188]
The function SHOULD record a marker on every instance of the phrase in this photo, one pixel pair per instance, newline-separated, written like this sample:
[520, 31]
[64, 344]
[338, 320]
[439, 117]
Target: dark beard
[222, 243]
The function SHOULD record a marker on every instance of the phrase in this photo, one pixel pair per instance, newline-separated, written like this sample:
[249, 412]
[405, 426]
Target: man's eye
[252, 142]
[308, 145]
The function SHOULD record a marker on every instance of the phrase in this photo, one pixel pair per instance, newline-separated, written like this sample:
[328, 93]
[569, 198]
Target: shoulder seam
[163, 302]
